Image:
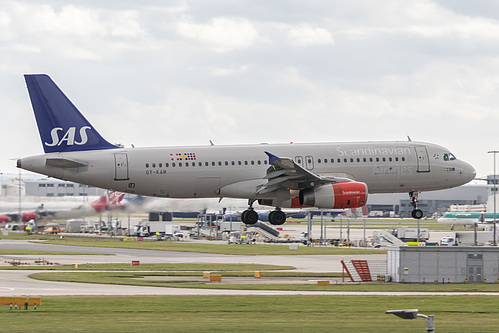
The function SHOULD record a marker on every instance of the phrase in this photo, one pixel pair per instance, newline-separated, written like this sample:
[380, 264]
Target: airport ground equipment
[237, 237]
[264, 230]
[363, 270]
[471, 238]
[150, 228]
[411, 234]
[384, 237]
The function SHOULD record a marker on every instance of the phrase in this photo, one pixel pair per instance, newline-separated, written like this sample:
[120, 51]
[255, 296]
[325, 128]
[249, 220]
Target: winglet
[62, 127]
[272, 157]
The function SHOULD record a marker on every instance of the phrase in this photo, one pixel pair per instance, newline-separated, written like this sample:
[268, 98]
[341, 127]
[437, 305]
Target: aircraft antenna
[409, 138]
[211, 143]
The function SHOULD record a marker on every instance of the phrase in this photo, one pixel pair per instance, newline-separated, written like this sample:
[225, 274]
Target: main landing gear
[416, 213]
[277, 217]
[249, 216]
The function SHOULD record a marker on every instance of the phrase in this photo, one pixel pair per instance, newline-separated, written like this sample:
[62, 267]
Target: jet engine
[335, 195]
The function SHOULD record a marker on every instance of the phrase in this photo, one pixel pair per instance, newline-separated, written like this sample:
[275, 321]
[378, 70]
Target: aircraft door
[423, 160]
[120, 166]
[309, 162]
[299, 160]
[475, 268]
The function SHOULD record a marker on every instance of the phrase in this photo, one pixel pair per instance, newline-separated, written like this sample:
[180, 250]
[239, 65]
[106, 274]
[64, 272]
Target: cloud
[305, 35]
[221, 34]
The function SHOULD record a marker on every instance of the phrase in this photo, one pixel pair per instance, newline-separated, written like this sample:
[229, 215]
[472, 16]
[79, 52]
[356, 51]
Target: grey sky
[258, 71]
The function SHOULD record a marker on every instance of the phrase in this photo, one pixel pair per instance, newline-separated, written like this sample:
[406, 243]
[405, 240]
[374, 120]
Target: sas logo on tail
[68, 137]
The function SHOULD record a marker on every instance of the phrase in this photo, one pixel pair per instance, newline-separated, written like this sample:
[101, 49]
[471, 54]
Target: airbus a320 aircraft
[324, 175]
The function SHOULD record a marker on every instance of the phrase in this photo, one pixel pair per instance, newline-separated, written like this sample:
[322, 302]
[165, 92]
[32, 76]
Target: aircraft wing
[283, 172]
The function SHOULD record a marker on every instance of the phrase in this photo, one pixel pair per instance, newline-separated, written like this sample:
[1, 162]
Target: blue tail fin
[62, 127]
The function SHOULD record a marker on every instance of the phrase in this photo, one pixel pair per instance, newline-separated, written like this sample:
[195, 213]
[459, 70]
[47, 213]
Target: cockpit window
[449, 157]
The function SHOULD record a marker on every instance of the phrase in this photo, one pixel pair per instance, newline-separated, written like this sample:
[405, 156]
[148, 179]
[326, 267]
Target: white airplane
[324, 175]
[468, 219]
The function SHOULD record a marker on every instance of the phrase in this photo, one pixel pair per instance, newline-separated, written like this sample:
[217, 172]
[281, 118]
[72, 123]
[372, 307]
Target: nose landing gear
[416, 213]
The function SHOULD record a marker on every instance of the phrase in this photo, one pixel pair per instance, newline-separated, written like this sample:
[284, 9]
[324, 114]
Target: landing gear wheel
[417, 214]
[249, 216]
[277, 217]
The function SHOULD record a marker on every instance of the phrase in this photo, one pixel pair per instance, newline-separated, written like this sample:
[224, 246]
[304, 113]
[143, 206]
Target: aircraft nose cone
[468, 172]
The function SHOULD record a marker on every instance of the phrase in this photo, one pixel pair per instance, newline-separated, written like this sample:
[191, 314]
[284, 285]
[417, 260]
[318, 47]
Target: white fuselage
[238, 171]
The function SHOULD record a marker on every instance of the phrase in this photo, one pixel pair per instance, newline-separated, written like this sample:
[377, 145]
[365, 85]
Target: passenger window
[160, 165]
[259, 162]
[147, 165]
[166, 165]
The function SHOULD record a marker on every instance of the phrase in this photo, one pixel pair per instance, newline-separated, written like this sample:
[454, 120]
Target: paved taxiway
[17, 283]
[14, 283]
[302, 263]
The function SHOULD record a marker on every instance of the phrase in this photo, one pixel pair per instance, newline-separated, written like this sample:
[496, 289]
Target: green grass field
[252, 314]
[136, 279]
[236, 249]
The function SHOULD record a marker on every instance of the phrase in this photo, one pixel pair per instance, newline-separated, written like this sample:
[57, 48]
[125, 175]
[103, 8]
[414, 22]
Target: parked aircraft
[110, 200]
[324, 175]
[468, 219]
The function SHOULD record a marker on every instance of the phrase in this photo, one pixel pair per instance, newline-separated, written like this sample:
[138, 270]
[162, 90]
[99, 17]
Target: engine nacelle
[335, 196]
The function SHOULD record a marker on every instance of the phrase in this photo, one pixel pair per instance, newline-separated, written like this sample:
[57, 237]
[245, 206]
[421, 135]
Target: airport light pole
[413, 314]
[495, 190]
